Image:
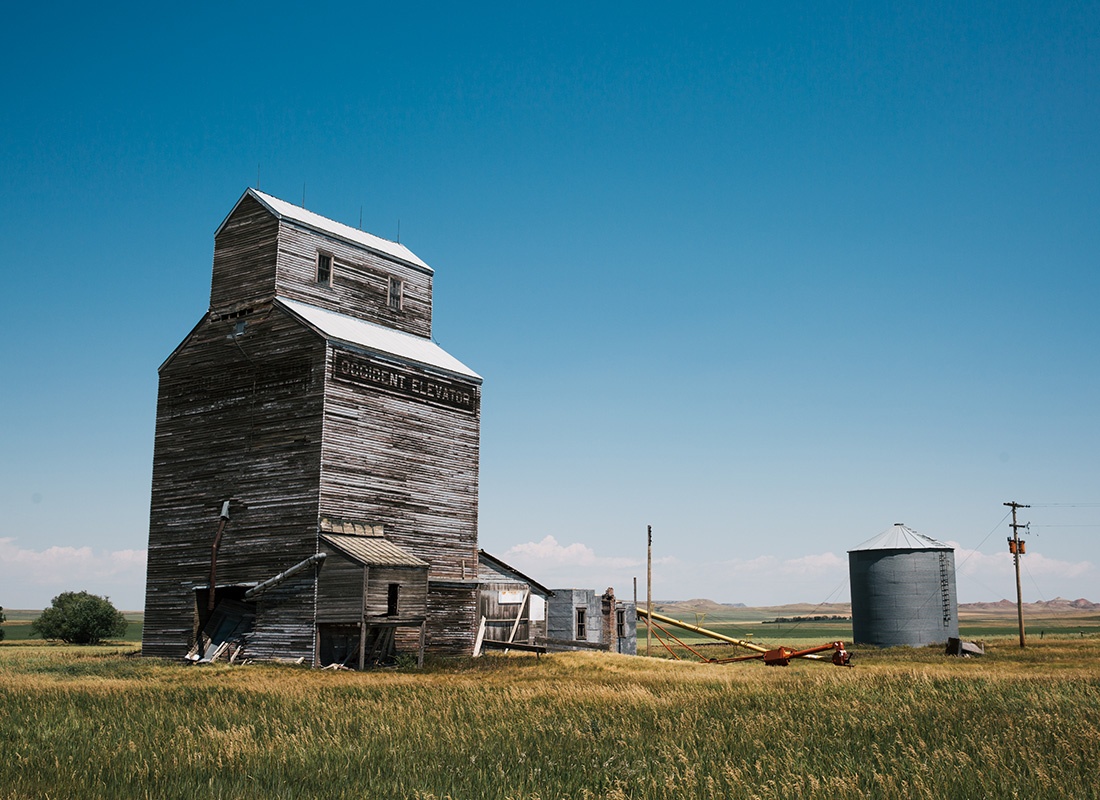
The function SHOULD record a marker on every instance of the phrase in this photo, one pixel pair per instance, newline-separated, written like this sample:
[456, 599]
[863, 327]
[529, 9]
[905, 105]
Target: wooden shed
[309, 421]
[512, 605]
[368, 593]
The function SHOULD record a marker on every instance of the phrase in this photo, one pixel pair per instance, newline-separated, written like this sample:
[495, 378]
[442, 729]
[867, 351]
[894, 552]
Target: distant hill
[703, 606]
[1058, 605]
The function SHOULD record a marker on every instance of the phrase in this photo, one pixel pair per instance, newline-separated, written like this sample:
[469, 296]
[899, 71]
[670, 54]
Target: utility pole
[648, 587]
[1016, 547]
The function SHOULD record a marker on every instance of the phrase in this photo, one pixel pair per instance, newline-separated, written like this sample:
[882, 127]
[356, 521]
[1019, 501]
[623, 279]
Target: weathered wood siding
[412, 601]
[250, 410]
[410, 465]
[284, 620]
[339, 588]
[452, 617]
[501, 617]
[238, 418]
[360, 280]
[244, 258]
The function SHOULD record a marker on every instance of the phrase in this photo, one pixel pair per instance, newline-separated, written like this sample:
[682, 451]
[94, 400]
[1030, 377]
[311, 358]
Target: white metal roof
[289, 211]
[378, 338]
[902, 537]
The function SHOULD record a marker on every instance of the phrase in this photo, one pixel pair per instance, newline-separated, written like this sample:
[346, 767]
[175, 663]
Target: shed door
[338, 644]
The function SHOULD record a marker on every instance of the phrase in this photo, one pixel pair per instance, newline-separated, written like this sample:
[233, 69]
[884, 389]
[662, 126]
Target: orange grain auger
[773, 657]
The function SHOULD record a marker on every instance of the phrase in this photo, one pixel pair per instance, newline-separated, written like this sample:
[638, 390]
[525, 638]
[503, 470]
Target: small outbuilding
[512, 605]
[903, 590]
[369, 592]
[579, 619]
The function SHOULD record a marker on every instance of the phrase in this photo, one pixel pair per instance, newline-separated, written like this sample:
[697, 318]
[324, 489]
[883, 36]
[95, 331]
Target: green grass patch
[98, 721]
[18, 626]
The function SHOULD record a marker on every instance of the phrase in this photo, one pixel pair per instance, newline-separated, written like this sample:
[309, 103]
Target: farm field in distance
[97, 721]
[805, 624]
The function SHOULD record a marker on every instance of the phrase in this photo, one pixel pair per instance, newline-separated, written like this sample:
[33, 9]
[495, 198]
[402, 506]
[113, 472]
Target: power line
[979, 547]
[1095, 525]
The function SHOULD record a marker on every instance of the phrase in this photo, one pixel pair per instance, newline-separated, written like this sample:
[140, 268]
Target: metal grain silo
[903, 590]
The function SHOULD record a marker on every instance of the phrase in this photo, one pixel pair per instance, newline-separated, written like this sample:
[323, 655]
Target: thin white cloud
[975, 562]
[31, 578]
[549, 553]
[802, 566]
[772, 580]
[765, 580]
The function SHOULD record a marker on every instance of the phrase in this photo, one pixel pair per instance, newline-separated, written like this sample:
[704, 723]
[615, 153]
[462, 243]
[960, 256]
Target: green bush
[2, 620]
[80, 618]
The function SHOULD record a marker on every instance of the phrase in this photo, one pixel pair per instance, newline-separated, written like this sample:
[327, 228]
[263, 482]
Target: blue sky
[769, 279]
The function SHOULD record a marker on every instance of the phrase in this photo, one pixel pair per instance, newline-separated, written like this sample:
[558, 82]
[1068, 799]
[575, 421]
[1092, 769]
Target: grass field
[99, 722]
[18, 625]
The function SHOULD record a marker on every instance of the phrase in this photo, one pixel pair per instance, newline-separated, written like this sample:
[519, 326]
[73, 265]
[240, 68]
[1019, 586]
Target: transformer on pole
[1016, 547]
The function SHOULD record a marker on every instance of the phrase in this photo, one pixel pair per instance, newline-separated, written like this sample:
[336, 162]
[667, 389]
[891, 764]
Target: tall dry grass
[81, 722]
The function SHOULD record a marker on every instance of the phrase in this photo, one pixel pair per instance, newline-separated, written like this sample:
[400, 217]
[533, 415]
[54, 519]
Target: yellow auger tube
[720, 637]
[712, 634]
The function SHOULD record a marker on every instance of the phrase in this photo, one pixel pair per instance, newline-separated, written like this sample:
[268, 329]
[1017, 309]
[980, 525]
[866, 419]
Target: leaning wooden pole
[648, 587]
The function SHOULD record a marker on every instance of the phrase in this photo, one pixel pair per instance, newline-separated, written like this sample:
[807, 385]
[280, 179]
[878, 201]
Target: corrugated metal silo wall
[903, 597]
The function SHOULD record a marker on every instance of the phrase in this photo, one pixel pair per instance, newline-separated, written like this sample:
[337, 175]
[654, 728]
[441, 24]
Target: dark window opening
[396, 294]
[581, 632]
[620, 623]
[391, 599]
[324, 269]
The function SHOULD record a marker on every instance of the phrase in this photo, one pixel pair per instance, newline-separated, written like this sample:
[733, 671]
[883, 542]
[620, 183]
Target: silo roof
[902, 537]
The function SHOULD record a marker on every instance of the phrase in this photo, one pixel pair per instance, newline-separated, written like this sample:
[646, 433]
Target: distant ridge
[1058, 605]
[701, 605]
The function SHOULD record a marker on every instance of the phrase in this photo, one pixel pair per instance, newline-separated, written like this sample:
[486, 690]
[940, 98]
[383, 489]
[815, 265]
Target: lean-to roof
[373, 551]
[378, 338]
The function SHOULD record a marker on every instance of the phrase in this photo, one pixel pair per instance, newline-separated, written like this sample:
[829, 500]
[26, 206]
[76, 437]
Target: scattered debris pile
[957, 647]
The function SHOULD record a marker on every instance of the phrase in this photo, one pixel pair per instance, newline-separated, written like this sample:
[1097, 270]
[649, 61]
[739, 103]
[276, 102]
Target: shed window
[324, 269]
[620, 623]
[391, 599]
[396, 293]
[581, 632]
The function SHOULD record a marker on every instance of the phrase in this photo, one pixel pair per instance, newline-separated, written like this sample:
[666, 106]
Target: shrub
[3, 619]
[80, 618]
